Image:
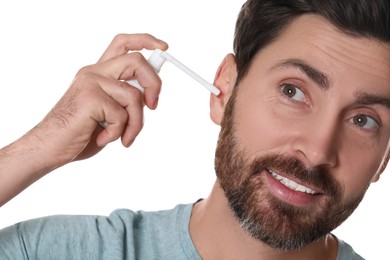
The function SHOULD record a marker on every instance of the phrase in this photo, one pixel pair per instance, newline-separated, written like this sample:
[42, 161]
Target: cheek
[258, 127]
[356, 169]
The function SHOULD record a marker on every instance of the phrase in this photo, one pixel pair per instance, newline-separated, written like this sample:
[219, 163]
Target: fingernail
[155, 103]
[129, 143]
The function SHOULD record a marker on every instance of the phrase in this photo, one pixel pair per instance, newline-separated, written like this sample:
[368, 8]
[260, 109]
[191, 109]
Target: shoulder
[146, 219]
[346, 252]
[134, 234]
[158, 233]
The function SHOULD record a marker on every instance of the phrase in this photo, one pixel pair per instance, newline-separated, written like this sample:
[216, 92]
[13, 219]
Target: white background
[44, 43]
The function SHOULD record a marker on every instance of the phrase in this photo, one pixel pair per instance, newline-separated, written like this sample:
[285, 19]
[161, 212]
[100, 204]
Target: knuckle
[84, 70]
[135, 98]
[131, 92]
[136, 95]
[119, 38]
[83, 81]
[137, 57]
[145, 35]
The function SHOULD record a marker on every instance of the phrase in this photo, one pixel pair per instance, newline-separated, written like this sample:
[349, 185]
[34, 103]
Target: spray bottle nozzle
[157, 59]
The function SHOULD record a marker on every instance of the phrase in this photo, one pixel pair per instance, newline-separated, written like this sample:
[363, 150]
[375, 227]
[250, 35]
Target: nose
[319, 142]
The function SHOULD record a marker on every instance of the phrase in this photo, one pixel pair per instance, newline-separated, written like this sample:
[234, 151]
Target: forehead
[343, 57]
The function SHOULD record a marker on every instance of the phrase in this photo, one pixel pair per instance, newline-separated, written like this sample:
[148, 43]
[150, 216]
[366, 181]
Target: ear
[225, 80]
[382, 168]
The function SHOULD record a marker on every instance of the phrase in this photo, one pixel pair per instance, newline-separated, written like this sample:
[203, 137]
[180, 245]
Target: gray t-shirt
[123, 235]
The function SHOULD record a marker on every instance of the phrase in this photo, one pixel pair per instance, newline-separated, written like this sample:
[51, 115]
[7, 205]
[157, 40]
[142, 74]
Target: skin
[322, 122]
[71, 130]
[320, 128]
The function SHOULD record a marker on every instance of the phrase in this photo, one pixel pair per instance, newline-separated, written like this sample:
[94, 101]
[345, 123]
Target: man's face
[305, 133]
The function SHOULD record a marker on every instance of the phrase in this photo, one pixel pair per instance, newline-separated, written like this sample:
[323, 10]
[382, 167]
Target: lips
[292, 184]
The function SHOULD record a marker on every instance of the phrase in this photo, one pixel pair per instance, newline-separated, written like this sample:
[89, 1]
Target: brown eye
[366, 122]
[293, 92]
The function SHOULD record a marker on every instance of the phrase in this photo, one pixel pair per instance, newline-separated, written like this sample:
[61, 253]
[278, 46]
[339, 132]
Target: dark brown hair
[261, 21]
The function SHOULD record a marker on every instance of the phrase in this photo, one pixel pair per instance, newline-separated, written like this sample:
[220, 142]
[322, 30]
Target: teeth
[291, 184]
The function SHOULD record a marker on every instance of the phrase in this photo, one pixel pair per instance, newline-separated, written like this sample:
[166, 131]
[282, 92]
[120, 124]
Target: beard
[266, 218]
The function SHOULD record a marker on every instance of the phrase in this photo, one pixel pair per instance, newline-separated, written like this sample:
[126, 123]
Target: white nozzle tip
[213, 89]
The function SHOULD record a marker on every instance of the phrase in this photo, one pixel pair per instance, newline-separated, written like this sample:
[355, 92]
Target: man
[305, 128]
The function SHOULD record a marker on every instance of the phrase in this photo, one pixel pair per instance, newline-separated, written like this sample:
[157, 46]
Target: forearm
[21, 164]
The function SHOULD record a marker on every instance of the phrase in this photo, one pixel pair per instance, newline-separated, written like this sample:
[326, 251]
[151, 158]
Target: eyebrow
[320, 78]
[368, 99]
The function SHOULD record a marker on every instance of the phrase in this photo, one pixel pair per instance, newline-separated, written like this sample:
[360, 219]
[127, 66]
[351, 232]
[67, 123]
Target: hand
[71, 129]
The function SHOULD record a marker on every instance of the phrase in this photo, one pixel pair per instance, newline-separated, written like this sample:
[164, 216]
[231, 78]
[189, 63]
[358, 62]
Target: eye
[293, 92]
[365, 121]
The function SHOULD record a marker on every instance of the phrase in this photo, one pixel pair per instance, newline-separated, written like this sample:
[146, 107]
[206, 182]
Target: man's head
[305, 115]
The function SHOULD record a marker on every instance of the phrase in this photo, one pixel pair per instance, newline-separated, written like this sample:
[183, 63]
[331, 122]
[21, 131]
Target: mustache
[318, 176]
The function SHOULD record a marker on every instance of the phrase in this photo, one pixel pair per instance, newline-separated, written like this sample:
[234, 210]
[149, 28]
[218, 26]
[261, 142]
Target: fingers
[133, 66]
[123, 43]
[107, 98]
[122, 112]
[95, 98]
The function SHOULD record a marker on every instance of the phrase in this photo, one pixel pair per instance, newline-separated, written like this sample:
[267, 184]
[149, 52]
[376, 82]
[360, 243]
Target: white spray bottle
[157, 59]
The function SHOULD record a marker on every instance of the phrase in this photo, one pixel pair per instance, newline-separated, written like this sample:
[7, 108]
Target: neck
[218, 235]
